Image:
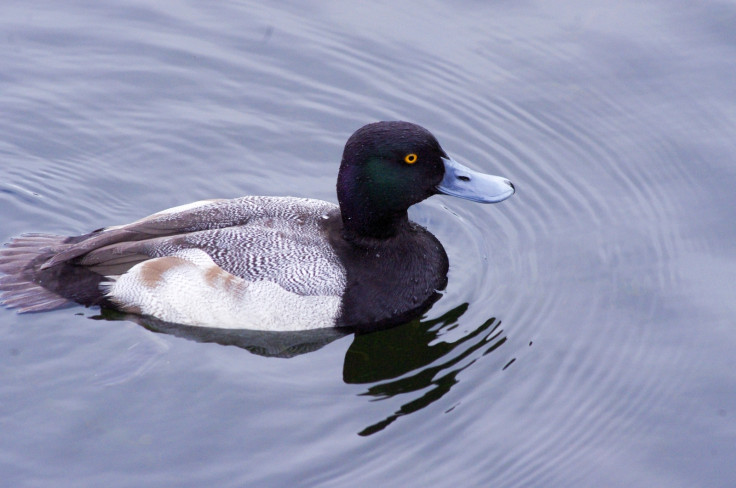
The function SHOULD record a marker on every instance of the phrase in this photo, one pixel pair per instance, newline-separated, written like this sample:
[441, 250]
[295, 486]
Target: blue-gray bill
[463, 182]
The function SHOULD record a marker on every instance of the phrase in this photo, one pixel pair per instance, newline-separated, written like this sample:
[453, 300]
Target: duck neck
[361, 222]
[370, 206]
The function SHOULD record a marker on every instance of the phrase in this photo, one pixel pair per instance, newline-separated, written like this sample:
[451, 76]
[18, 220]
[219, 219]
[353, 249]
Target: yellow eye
[410, 158]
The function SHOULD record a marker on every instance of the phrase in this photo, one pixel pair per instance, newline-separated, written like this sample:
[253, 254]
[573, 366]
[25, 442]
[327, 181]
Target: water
[586, 336]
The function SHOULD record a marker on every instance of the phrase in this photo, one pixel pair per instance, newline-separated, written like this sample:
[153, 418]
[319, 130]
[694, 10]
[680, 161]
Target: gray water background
[587, 336]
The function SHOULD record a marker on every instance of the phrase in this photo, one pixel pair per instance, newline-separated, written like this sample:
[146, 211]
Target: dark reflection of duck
[408, 359]
[397, 361]
[260, 342]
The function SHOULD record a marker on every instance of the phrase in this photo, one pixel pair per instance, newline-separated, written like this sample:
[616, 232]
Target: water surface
[585, 338]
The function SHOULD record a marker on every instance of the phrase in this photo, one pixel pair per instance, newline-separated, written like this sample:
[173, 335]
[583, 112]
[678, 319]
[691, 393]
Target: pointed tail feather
[21, 286]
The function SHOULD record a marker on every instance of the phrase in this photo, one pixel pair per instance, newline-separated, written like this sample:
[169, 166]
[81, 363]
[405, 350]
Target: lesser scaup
[268, 263]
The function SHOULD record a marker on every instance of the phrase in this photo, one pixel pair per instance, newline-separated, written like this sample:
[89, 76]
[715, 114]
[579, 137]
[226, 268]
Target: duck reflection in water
[401, 360]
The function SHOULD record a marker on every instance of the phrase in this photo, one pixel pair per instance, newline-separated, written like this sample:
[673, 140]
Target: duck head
[389, 166]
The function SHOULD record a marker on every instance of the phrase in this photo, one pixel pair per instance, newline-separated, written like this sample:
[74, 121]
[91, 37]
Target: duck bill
[463, 182]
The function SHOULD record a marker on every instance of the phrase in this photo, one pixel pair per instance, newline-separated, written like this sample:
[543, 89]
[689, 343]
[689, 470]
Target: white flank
[189, 288]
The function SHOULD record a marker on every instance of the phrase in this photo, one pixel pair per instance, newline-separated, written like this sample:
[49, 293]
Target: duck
[268, 263]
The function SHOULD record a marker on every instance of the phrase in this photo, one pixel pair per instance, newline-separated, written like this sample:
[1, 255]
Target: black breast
[389, 281]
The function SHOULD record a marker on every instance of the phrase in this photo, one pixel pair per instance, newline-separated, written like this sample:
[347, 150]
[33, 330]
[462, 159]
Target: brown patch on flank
[218, 277]
[152, 270]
